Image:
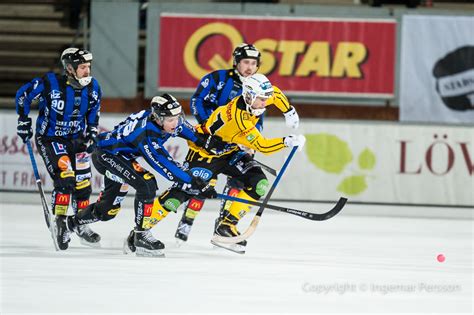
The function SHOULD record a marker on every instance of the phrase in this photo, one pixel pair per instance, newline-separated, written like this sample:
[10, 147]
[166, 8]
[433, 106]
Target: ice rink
[352, 263]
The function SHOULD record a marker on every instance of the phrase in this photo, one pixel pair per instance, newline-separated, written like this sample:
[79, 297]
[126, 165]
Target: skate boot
[129, 244]
[62, 232]
[183, 230]
[227, 228]
[147, 245]
[87, 236]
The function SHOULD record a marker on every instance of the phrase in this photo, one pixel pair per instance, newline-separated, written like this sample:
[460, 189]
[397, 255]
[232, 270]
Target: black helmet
[244, 51]
[75, 57]
[165, 105]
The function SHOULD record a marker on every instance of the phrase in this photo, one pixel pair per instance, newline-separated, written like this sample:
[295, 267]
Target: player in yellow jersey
[217, 89]
[235, 123]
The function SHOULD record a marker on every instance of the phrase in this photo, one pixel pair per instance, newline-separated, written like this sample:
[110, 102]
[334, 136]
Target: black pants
[120, 172]
[245, 172]
[69, 167]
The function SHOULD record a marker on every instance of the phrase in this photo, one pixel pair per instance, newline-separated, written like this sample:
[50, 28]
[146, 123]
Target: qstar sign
[301, 55]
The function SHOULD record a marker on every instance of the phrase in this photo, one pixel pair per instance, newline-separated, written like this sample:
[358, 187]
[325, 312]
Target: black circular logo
[454, 75]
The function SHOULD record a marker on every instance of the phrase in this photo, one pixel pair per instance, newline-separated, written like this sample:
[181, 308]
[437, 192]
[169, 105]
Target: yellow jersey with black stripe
[279, 100]
[234, 124]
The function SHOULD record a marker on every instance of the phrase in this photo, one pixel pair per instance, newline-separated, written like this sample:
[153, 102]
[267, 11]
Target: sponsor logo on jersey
[59, 148]
[205, 83]
[195, 204]
[201, 172]
[113, 212]
[148, 176]
[75, 113]
[250, 137]
[147, 209]
[118, 200]
[64, 163]
[82, 204]
[114, 177]
[62, 199]
[55, 94]
[95, 95]
[81, 177]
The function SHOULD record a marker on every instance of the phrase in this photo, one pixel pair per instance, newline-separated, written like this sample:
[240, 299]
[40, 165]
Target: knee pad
[83, 190]
[147, 189]
[65, 181]
[258, 187]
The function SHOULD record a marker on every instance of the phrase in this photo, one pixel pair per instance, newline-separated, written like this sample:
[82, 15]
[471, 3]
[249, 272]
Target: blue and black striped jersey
[63, 111]
[138, 135]
[216, 89]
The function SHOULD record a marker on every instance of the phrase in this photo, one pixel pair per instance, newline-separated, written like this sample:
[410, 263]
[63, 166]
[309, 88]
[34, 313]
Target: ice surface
[349, 264]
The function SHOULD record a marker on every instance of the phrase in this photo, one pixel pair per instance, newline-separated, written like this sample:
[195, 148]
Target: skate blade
[239, 249]
[126, 249]
[89, 244]
[142, 252]
[53, 231]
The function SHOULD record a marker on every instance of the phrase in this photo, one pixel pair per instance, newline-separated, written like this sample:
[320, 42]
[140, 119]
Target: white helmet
[256, 85]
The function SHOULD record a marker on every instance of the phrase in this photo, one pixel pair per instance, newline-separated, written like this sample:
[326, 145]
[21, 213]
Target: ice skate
[227, 228]
[147, 245]
[87, 236]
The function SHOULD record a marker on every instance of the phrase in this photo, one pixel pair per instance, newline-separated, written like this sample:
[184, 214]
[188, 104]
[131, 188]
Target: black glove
[199, 187]
[23, 129]
[91, 140]
[212, 144]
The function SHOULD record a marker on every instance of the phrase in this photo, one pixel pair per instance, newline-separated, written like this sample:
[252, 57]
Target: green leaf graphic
[328, 152]
[352, 185]
[367, 159]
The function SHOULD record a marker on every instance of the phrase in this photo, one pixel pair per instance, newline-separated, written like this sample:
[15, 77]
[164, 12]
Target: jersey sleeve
[251, 137]
[279, 100]
[157, 156]
[201, 101]
[26, 94]
[94, 112]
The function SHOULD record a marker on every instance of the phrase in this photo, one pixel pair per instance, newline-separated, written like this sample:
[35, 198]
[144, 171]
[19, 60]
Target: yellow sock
[239, 209]
[158, 213]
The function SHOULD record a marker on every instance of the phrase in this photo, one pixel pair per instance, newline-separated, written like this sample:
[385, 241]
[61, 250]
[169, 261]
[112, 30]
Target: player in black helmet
[142, 134]
[66, 128]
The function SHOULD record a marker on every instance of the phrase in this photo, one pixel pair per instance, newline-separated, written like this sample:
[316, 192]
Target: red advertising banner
[340, 57]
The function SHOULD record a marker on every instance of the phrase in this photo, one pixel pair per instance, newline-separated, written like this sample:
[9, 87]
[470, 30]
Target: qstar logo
[333, 155]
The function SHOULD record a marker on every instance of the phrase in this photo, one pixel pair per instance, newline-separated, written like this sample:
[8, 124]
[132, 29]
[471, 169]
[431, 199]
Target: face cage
[250, 109]
[161, 119]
